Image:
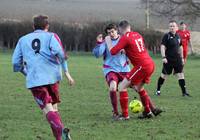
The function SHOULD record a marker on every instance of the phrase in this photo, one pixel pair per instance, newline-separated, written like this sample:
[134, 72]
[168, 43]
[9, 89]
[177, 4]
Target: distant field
[85, 108]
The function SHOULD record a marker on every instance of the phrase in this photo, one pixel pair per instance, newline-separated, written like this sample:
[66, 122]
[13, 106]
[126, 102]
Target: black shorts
[169, 67]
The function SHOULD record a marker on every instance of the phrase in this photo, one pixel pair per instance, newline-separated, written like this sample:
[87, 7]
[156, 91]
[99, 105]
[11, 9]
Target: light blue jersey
[39, 55]
[115, 63]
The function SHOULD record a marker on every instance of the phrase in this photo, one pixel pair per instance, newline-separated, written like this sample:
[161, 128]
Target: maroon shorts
[115, 76]
[46, 94]
[141, 74]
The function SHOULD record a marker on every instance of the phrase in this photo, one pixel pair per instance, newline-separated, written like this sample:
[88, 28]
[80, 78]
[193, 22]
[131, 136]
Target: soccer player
[185, 38]
[114, 68]
[40, 56]
[133, 44]
[172, 58]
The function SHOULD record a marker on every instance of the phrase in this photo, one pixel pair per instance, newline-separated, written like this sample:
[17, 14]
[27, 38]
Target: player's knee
[135, 88]
[55, 107]
[164, 76]
[48, 108]
[180, 75]
[121, 88]
[113, 86]
[138, 88]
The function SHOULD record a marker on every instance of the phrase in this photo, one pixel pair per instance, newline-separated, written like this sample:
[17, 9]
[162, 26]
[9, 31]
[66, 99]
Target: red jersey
[185, 37]
[133, 44]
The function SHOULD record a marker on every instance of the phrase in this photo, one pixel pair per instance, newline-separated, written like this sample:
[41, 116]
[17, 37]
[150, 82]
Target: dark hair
[171, 21]
[40, 21]
[110, 26]
[124, 24]
[182, 22]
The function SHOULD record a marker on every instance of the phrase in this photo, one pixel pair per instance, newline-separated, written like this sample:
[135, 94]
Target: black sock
[182, 85]
[160, 82]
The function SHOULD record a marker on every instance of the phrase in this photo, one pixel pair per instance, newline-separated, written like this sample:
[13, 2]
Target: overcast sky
[80, 10]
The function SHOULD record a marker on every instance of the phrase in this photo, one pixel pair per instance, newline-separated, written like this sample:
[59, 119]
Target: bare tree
[174, 9]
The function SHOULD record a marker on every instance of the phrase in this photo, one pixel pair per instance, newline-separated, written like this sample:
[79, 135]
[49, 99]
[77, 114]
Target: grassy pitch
[86, 109]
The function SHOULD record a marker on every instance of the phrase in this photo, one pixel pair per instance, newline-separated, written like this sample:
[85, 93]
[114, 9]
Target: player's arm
[163, 48]
[120, 45]
[100, 47]
[67, 74]
[17, 60]
[190, 44]
[181, 54]
[58, 50]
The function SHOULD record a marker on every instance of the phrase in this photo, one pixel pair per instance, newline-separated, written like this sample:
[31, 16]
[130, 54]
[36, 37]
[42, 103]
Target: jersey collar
[115, 38]
[39, 31]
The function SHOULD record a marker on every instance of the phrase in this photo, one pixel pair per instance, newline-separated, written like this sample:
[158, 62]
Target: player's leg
[145, 101]
[185, 53]
[112, 80]
[42, 97]
[138, 78]
[122, 87]
[55, 107]
[166, 70]
[181, 80]
[54, 121]
[54, 94]
[149, 107]
[113, 98]
[135, 79]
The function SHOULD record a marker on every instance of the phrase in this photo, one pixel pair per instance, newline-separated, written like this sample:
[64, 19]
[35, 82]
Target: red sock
[124, 103]
[145, 100]
[113, 99]
[54, 133]
[56, 124]
[58, 114]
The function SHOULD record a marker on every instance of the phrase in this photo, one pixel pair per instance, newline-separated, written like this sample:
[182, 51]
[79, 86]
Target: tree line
[74, 36]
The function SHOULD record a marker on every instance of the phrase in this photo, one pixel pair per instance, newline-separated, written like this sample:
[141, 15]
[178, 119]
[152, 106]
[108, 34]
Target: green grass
[86, 109]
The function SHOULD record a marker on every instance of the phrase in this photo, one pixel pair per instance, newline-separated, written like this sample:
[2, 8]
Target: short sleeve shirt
[172, 43]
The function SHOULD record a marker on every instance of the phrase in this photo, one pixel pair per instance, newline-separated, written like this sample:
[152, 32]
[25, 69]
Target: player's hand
[164, 60]
[70, 79]
[122, 51]
[107, 38]
[99, 38]
[183, 61]
[108, 42]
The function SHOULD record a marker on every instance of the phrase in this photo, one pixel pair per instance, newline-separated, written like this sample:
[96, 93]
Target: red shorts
[141, 74]
[46, 94]
[115, 76]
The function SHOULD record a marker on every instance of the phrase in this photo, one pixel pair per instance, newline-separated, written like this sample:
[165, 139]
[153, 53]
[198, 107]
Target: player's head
[183, 26]
[173, 27]
[111, 30]
[41, 22]
[124, 26]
